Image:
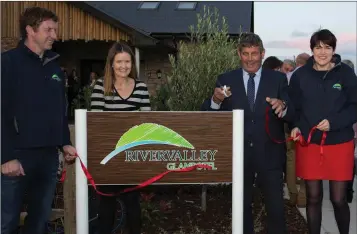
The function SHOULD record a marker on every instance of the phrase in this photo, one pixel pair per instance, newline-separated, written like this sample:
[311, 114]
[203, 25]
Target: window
[186, 6]
[149, 5]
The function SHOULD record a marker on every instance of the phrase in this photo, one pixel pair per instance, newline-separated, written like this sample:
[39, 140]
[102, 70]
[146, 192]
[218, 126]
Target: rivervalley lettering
[176, 158]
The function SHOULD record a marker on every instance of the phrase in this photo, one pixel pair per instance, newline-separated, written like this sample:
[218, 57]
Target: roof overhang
[139, 37]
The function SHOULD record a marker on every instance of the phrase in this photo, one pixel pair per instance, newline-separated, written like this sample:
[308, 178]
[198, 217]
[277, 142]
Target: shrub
[209, 52]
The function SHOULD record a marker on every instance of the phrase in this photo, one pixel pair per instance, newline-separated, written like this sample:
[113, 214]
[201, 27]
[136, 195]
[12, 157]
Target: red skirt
[331, 162]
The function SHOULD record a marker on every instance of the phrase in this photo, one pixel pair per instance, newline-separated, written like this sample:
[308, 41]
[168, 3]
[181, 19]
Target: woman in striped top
[136, 100]
[120, 91]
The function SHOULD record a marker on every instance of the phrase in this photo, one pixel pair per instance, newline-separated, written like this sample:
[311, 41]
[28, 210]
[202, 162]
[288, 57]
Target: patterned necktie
[251, 91]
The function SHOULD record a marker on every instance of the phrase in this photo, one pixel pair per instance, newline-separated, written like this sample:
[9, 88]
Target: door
[88, 66]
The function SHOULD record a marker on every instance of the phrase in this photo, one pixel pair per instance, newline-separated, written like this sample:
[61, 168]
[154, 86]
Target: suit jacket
[263, 152]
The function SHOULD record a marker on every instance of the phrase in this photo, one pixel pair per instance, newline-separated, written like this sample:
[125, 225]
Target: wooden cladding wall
[74, 24]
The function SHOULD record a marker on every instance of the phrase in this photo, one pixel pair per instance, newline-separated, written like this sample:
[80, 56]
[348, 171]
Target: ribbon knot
[301, 140]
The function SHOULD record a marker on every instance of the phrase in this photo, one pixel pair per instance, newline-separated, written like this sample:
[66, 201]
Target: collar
[296, 69]
[258, 73]
[48, 55]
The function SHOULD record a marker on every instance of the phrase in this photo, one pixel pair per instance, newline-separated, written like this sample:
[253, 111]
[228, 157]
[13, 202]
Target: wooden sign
[131, 147]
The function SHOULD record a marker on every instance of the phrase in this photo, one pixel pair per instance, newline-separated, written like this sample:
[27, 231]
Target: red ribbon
[142, 185]
[188, 169]
[301, 139]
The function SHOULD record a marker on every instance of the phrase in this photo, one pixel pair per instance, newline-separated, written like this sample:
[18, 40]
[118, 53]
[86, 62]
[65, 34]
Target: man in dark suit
[254, 89]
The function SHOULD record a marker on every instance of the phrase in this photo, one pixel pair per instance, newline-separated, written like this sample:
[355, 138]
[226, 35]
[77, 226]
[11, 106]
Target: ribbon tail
[63, 175]
[160, 176]
[141, 185]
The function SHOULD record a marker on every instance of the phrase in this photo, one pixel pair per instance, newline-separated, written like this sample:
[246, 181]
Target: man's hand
[69, 153]
[277, 105]
[219, 96]
[324, 125]
[295, 134]
[12, 168]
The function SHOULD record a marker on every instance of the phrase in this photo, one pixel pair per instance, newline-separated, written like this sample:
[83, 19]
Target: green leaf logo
[148, 134]
[337, 86]
[55, 77]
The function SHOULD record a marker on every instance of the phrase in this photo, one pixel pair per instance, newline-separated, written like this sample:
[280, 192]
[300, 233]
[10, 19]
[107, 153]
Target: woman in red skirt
[324, 93]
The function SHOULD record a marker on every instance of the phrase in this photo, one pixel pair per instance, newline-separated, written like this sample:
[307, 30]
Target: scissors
[224, 89]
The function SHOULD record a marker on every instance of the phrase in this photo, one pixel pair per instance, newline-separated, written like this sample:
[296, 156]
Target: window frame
[186, 9]
[140, 7]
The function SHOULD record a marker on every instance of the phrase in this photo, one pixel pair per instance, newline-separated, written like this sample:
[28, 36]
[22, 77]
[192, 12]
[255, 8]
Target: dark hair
[33, 17]
[325, 36]
[272, 62]
[94, 73]
[109, 78]
[249, 40]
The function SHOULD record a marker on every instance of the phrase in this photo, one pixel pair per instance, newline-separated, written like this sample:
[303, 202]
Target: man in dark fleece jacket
[33, 123]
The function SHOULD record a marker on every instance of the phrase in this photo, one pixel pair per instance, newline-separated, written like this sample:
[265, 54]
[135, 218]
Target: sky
[286, 27]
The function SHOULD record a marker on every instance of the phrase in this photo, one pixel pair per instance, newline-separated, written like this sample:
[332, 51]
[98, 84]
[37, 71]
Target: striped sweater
[139, 99]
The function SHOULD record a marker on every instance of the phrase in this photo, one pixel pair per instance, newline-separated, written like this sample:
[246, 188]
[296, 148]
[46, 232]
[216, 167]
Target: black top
[33, 103]
[330, 95]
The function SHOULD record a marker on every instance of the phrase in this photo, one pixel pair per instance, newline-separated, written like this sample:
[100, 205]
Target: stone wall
[8, 43]
[153, 60]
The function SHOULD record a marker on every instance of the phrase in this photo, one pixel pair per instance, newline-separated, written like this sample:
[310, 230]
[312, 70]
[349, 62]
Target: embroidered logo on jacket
[337, 86]
[55, 77]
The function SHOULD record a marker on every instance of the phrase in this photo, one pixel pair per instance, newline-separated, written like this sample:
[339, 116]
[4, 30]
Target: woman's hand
[295, 134]
[324, 125]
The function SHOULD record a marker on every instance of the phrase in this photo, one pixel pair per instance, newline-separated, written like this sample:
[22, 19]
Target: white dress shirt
[257, 77]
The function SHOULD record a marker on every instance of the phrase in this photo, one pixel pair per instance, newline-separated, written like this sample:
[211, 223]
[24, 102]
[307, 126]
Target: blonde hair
[109, 78]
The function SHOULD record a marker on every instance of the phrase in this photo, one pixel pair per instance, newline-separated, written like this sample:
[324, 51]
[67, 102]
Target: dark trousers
[40, 167]
[271, 185]
[108, 207]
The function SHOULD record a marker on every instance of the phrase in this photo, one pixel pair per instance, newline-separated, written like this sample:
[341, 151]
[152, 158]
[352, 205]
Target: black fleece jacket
[330, 95]
[33, 102]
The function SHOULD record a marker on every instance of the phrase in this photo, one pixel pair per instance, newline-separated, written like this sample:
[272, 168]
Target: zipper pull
[16, 125]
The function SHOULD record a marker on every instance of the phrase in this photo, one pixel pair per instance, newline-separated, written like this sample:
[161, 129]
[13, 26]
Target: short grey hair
[290, 62]
[249, 39]
[349, 63]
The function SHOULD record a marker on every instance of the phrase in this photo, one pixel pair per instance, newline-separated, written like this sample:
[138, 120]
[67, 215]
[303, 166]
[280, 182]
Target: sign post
[238, 172]
[128, 148]
[81, 180]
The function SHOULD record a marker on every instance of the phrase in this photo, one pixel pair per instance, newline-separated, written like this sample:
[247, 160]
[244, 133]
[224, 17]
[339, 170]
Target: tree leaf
[209, 52]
